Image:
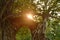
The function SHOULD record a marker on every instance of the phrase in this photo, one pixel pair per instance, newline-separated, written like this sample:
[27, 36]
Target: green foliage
[24, 33]
[53, 29]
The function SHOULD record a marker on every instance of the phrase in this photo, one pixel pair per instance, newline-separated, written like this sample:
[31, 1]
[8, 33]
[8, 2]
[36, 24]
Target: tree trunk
[0, 33]
[39, 32]
[8, 32]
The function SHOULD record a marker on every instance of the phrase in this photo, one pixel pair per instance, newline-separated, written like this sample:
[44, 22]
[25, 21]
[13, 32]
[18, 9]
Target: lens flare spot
[30, 16]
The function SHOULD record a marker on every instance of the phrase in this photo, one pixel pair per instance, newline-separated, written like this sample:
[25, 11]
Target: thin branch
[10, 16]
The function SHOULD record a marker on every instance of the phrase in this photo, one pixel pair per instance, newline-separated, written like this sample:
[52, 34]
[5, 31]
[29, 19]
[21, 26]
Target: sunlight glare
[30, 16]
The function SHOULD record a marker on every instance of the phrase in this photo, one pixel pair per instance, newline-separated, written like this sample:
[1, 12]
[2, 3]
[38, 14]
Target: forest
[29, 19]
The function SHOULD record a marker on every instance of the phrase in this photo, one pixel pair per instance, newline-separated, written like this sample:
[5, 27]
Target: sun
[30, 16]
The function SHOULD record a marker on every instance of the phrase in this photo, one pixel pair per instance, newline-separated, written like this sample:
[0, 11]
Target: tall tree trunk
[39, 32]
[0, 33]
[8, 32]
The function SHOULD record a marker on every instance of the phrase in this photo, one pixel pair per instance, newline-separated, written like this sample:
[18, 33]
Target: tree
[46, 9]
[7, 32]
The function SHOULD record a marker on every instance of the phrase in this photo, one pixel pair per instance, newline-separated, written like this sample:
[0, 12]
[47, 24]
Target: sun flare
[30, 16]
